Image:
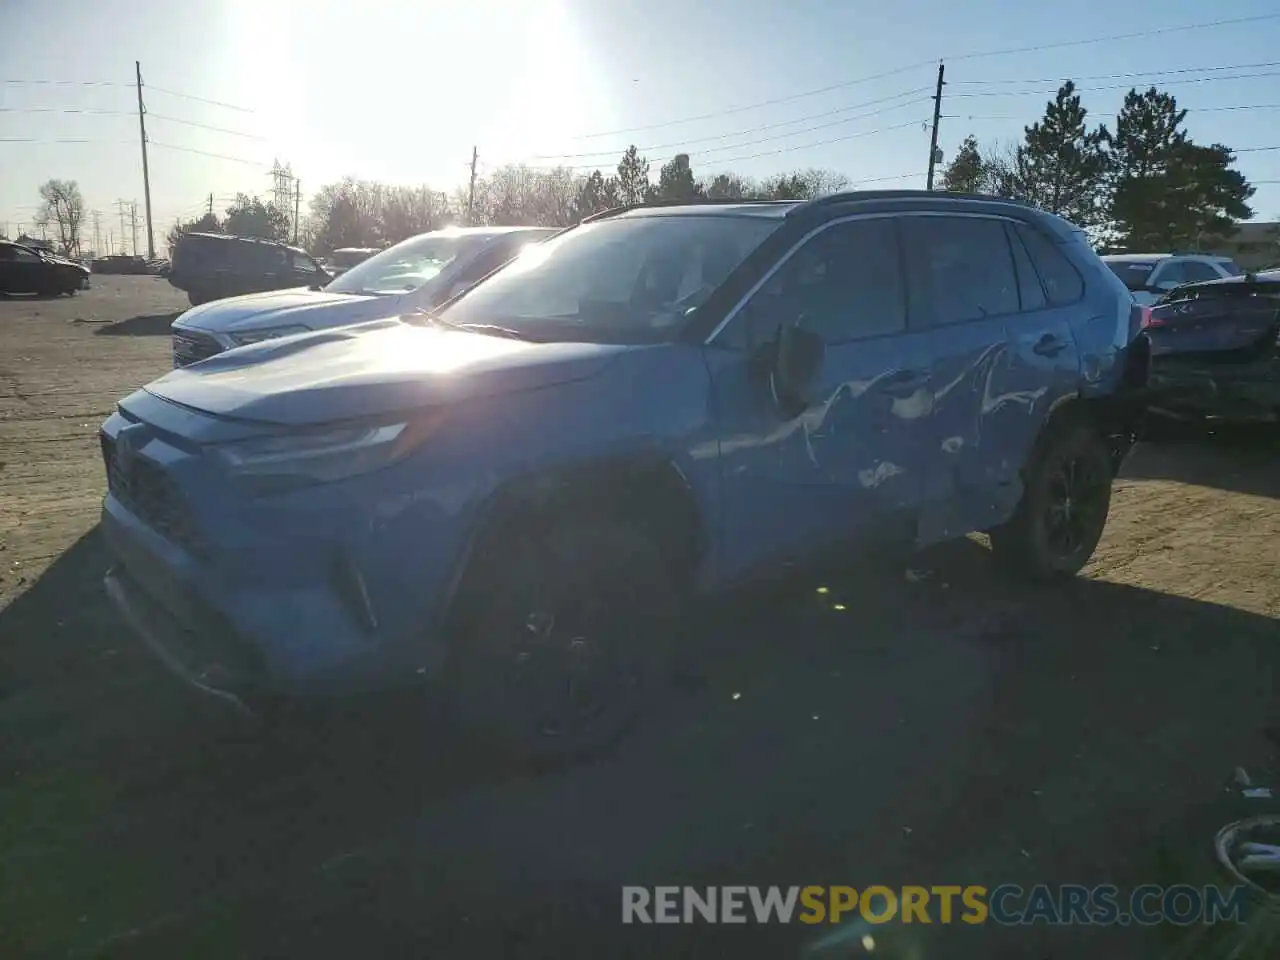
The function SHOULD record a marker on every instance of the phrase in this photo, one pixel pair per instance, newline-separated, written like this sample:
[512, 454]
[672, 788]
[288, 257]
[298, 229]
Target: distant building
[1255, 244]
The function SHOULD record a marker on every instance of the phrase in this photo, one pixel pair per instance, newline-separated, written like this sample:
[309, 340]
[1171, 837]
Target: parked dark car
[23, 270]
[121, 263]
[514, 492]
[1215, 349]
[211, 266]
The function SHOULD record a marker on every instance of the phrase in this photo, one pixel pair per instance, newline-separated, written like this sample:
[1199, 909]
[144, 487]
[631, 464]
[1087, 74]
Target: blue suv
[514, 495]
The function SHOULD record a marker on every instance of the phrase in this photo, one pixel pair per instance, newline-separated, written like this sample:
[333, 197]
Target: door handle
[904, 383]
[1049, 346]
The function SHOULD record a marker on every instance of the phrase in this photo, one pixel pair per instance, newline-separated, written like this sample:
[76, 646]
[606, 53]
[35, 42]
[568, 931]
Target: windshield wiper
[490, 329]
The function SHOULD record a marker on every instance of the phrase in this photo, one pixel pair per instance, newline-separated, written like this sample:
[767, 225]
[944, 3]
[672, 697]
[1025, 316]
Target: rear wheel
[564, 635]
[1065, 501]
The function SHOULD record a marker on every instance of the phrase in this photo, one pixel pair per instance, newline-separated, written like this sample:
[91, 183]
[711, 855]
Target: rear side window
[961, 268]
[1029, 290]
[1195, 271]
[1135, 274]
[1061, 281]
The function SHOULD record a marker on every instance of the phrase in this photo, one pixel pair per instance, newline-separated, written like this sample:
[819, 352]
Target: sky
[402, 90]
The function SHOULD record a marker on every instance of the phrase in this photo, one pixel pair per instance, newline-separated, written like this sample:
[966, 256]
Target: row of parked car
[541, 447]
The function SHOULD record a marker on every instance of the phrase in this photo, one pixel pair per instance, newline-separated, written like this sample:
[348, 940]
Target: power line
[819, 143]
[207, 153]
[762, 103]
[1124, 76]
[1121, 86]
[190, 96]
[1156, 31]
[1136, 35]
[781, 136]
[60, 140]
[767, 126]
[1020, 116]
[204, 126]
[65, 83]
[85, 110]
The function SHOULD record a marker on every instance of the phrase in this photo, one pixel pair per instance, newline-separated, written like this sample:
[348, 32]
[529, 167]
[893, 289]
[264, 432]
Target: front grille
[149, 493]
[190, 347]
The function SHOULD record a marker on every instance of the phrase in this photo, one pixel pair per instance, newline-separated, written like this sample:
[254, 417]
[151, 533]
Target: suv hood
[62, 261]
[368, 370]
[302, 305]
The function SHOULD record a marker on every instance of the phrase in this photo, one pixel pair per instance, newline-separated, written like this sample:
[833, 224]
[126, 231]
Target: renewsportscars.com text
[1007, 904]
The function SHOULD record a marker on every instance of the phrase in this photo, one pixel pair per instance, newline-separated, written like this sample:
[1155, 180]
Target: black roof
[236, 237]
[781, 209]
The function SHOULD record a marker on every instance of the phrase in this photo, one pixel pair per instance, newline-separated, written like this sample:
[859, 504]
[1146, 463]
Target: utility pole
[97, 233]
[120, 205]
[471, 191]
[211, 204]
[133, 222]
[297, 207]
[933, 140]
[146, 173]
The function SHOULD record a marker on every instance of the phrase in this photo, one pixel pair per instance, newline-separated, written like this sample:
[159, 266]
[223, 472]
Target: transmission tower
[282, 192]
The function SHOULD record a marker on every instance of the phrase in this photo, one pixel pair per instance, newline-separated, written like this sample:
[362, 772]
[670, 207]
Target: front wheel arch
[649, 492]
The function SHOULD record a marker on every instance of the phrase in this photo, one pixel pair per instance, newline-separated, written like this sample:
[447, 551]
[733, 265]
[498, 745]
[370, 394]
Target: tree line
[1140, 185]
[356, 213]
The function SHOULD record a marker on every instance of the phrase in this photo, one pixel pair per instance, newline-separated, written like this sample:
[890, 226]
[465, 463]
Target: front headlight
[246, 337]
[288, 460]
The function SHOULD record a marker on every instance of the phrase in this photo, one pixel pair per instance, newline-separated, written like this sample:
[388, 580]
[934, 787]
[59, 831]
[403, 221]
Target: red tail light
[1147, 318]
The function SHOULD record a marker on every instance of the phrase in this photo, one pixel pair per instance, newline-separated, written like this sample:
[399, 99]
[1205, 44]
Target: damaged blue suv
[514, 495]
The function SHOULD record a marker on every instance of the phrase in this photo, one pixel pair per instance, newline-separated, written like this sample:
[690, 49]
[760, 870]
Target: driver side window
[844, 284]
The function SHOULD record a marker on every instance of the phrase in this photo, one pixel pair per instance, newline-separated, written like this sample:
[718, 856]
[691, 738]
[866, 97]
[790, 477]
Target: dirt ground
[927, 726]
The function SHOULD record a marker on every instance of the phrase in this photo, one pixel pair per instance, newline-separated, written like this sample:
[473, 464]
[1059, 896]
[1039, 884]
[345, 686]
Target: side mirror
[797, 358]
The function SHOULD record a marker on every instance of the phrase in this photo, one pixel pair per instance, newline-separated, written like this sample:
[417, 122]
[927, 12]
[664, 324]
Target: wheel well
[650, 493]
[1115, 417]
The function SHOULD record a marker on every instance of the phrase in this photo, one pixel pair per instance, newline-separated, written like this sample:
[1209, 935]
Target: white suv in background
[1151, 275]
[416, 274]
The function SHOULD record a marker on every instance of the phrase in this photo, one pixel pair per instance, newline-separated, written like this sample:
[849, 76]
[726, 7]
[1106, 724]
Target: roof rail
[848, 196]
[699, 202]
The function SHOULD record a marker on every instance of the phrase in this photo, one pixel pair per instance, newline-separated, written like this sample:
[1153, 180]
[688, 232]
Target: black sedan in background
[1215, 349]
[23, 270]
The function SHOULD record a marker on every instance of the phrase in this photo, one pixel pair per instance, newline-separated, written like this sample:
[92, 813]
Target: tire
[1063, 510]
[564, 637]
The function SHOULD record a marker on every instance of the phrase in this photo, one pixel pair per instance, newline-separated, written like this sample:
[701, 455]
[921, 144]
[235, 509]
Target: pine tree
[967, 173]
[595, 193]
[1062, 165]
[675, 181]
[633, 177]
[1166, 191]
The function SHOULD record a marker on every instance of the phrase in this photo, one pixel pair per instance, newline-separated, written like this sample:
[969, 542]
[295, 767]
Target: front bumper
[325, 592]
[193, 657]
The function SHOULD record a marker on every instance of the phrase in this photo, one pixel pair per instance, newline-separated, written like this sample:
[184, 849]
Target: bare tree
[62, 207]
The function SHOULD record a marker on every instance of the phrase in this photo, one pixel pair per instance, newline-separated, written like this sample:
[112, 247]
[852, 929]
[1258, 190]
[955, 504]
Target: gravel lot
[944, 727]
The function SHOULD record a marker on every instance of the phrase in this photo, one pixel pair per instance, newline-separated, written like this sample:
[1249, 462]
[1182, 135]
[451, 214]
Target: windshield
[350, 258]
[634, 279]
[1134, 273]
[403, 268]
